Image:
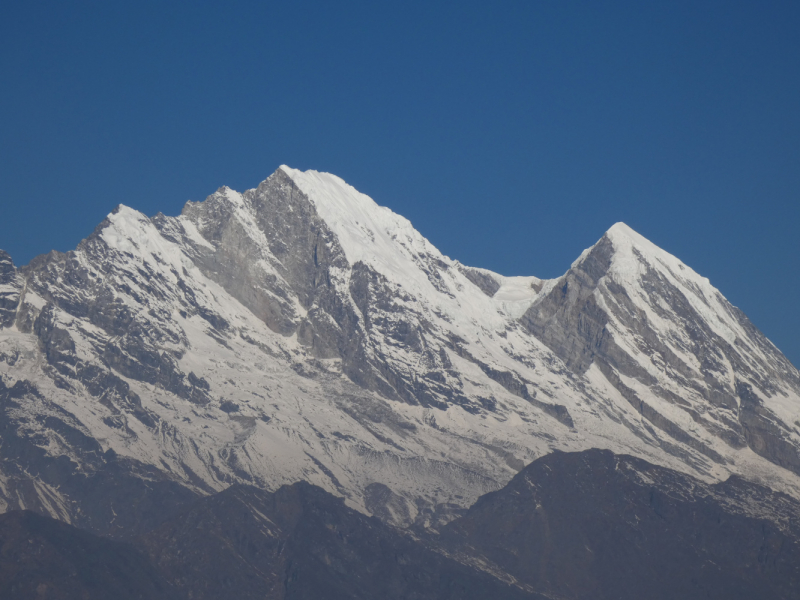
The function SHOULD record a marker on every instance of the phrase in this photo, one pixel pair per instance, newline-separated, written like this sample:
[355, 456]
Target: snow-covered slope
[300, 331]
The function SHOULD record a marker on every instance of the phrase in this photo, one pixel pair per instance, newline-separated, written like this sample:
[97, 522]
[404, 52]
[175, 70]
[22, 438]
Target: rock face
[9, 290]
[298, 331]
[596, 525]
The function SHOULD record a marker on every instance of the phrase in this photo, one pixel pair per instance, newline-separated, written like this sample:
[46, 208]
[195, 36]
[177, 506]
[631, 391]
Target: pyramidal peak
[628, 242]
[620, 229]
[128, 230]
[630, 260]
[636, 261]
[363, 227]
[660, 287]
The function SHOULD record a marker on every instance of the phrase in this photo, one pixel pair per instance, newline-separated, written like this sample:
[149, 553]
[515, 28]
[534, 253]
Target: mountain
[299, 331]
[572, 526]
[630, 315]
[301, 542]
[602, 526]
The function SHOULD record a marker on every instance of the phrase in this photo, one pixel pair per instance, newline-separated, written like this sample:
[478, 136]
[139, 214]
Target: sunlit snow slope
[300, 331]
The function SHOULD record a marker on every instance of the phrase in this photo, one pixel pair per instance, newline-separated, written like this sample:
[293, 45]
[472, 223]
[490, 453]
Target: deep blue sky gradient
[512, 134]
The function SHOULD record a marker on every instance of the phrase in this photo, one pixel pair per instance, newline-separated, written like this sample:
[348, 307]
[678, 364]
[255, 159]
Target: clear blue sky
[512, 134]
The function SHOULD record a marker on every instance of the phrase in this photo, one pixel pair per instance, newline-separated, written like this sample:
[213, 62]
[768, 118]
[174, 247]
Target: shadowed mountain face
[573, 526]
[597, 525]
[297, 543]
[299, 331]
[44, 559]
[302, 543]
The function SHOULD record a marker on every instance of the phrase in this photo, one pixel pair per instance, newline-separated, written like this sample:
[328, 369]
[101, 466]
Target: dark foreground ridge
[574, 526]
[595, 525]
[303, 543]
[41, 558]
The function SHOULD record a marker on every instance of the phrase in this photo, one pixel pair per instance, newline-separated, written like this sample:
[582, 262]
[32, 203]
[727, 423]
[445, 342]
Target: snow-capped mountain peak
[367, 232]
[298, 330]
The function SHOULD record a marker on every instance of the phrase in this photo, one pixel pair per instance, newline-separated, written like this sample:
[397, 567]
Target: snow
[516, 294]
[34, 299]
[129, 230]
[626, 270]
[193, 234]
[364, 229]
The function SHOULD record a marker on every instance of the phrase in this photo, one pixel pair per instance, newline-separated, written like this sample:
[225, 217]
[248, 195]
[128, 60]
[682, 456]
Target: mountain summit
[299, 331]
